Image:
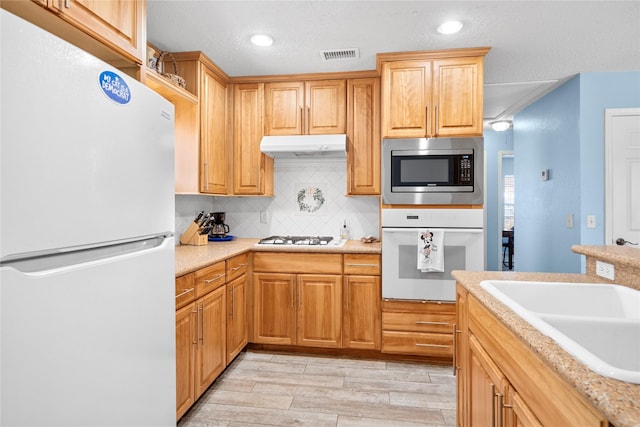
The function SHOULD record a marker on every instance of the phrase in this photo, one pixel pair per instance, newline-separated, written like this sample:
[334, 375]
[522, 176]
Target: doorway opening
[506, 210]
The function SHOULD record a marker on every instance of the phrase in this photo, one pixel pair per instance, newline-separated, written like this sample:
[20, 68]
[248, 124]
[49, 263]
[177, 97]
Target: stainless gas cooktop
[297, 240]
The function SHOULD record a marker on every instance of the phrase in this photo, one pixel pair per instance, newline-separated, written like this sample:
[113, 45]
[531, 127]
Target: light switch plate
[591, 221]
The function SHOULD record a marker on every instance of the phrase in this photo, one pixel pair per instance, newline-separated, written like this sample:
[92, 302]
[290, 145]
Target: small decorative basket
[172, 77]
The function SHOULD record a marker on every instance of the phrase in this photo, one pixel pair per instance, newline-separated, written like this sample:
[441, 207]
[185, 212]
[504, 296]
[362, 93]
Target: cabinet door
[248, 128]
[361, 308]
[486, 384]
[274, 308]
[211, 337]
[236, 316]
[326, 107]
[406, 99]
[319, 310]
[458, 94]
[185, 358]
[213, 135]
[363, 132]
[460, 359]
[520, 415]
[119, 24]
[284, 103]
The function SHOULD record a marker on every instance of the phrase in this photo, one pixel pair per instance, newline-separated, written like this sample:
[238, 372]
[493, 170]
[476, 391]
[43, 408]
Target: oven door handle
[446, 230]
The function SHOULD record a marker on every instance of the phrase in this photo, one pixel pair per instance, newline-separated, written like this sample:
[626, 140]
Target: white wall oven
[403, 245]
[442, 171]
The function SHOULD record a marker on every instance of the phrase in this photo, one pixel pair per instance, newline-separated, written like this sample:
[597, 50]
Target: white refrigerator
[87, 264]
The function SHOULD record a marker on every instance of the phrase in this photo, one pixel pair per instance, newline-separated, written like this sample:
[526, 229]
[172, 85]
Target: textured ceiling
[534, 44]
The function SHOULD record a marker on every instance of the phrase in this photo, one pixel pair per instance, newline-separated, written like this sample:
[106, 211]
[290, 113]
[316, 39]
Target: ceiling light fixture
[261, 40]
[450, 27]
[500, 125]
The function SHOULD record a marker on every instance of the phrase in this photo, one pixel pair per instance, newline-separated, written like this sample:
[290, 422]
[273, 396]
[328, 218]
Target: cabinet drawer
[287, 262]
[417, 343]
[419, 322]
[237, 266]
[361, 264]
[185, 290]
[209, 278]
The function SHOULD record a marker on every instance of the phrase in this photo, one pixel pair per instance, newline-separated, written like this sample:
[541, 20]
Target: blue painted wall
[564, 132]
[494, 142]
[597, 92]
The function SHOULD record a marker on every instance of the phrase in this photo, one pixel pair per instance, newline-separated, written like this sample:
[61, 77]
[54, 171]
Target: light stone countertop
[192, 258]
[611, 253]
[619, 401]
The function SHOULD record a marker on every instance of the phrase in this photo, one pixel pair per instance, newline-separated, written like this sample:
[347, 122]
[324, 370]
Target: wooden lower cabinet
[211, 336]
[297, 299]
[361, 323]
[419, 328]
[211, 326]
[200, 346]
[298, 309]
[236, 316]
[502, 383]
[185, 358]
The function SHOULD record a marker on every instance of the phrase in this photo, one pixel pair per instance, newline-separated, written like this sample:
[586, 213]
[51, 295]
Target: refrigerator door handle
[68, 259]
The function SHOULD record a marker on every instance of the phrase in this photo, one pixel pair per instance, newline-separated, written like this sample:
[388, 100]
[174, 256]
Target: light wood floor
[263, 389]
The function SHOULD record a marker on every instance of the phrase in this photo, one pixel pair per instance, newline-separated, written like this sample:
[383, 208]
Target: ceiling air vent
[340, 54]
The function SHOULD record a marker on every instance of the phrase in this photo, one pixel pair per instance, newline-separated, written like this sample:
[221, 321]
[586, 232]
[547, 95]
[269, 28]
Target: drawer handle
[214, 279]
[238, 267]
[184, 293]
[363, 265]
[424, 322]
[432, 345]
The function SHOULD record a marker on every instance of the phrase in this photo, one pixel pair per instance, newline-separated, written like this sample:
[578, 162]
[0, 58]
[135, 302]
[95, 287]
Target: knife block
[193, 237]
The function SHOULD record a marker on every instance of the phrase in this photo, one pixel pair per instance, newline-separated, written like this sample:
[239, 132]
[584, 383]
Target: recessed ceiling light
[500, 125]
[261, 40]
[450, 27]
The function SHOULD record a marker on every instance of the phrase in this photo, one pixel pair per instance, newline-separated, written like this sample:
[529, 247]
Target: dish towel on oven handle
[431, 250]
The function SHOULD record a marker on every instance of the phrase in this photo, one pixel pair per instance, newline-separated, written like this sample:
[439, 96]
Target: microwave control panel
[465, 174]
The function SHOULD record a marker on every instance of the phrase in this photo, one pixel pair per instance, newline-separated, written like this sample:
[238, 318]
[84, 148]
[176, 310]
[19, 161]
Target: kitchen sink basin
[599, 324]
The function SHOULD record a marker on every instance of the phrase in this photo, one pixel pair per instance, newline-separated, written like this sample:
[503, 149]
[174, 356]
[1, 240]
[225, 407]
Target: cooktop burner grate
[296, 240]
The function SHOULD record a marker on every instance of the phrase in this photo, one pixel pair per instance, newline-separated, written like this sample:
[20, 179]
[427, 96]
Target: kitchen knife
[200, 215]
[205, 219]
[206, 230]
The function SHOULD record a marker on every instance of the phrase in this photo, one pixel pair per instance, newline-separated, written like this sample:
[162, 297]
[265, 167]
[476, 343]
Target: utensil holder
[193, 237]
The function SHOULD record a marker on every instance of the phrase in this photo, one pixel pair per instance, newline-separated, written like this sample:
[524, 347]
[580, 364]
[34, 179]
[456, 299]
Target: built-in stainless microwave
[434, 171]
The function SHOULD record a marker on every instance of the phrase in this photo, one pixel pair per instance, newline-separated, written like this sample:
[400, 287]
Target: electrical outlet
[263, 217]
[606, 270]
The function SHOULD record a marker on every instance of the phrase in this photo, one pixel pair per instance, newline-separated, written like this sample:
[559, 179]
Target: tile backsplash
[309, 200]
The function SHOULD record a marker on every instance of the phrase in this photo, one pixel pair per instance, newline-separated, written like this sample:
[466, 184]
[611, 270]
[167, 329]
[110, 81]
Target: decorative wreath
[310, 199]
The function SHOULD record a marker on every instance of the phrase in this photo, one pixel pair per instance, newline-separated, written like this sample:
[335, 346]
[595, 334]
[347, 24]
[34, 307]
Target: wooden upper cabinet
[284, 103]
[432, 94]
[251, 174]
[305, 108]
[458, 96]
[406, 99]
[114, 30]
[213, 135]
[119, 24]
[363, 136]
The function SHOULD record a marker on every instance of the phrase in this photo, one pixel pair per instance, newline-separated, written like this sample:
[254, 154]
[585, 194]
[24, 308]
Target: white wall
[326, 177]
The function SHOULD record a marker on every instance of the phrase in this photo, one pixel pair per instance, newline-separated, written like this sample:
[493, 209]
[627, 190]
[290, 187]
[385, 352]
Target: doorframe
[501, 155]
[609, 114]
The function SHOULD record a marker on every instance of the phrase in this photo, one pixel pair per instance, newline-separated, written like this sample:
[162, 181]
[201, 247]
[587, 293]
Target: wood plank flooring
[264, 389]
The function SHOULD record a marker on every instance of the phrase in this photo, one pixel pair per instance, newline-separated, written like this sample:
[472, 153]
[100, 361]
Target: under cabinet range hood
[299, 146]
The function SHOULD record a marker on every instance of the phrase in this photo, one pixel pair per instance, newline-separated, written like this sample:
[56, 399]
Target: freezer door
[91, 343]
[78, 165]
